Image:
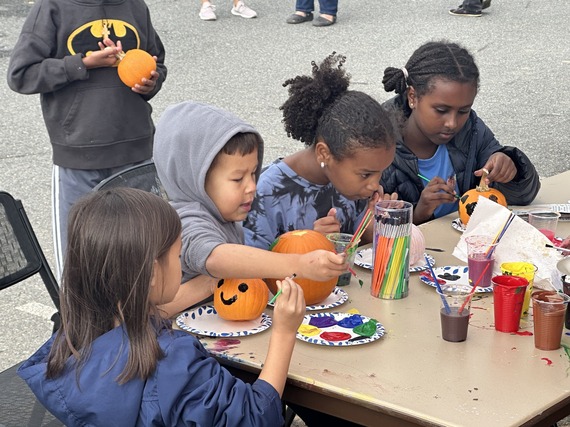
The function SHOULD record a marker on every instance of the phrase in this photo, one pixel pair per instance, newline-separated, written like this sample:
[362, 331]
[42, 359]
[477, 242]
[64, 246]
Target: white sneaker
[240, 9]
[207, 12]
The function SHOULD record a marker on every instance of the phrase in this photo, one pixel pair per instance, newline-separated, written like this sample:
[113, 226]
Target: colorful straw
[499, 235]
[361, 228]
[439, 291]
[473, 289]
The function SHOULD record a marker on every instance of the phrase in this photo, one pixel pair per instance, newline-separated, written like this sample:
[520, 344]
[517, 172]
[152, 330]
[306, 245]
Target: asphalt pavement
[521, 46]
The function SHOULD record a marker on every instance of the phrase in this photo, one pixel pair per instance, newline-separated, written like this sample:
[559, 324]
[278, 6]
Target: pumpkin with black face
[468, 201]
[240, 299]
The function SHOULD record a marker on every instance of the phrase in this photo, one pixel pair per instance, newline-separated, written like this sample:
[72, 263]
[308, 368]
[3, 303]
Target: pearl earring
[322, 164]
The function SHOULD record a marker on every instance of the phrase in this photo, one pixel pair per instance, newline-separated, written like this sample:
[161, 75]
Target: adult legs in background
[69, 185]
[303, 12]
[208, 10]
[327, 13]
[471, 8]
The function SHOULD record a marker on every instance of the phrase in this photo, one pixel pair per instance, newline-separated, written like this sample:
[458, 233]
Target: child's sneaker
[207, 12]
[240, 9]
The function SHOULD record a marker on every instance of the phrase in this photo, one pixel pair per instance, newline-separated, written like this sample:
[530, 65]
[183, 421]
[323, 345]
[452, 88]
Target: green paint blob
[366, 329]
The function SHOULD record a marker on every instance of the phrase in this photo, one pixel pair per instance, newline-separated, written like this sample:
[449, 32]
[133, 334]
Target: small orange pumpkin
[302, 242]
[468, 201]
[240, 299]
[135, 65]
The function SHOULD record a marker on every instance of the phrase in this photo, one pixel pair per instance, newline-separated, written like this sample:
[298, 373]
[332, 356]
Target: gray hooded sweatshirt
[188, 137]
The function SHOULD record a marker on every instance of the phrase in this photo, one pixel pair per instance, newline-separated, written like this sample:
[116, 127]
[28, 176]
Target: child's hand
[321, 265]
[289, 307]
[436, 192]
[147, 85]
[105, 57]
[565, 243]
[501, 168]
[327, 224]
[380, 195]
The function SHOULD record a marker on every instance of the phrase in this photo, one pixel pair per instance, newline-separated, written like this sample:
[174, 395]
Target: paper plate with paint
[363, 259]
[339, 329]
[204, 320]
[337, 297]
[451, 275]
[456, 224]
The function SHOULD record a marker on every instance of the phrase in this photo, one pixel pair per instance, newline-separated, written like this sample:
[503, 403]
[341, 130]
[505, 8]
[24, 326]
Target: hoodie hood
[188, 137]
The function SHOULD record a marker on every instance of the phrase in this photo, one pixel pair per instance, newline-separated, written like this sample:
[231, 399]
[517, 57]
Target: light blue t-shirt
[285, 201]
[439, 165]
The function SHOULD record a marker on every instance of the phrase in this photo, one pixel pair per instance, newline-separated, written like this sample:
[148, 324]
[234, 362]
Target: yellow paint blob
[308, 330]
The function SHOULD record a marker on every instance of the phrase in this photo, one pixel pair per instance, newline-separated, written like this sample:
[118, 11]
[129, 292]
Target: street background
[521, 47]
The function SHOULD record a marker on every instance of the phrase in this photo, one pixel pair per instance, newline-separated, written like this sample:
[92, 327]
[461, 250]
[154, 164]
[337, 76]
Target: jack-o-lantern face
[468, 201]
[240, 299]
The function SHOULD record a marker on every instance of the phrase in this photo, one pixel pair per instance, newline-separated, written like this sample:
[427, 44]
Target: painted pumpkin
[468, 201]
[302, 242]
[240, 299]
[135, 65]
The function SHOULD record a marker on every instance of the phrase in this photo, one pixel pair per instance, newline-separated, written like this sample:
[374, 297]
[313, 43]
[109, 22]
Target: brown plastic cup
[455, 311]
[548, 310]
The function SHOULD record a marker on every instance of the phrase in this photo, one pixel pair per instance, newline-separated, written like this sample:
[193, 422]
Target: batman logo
[85, 38]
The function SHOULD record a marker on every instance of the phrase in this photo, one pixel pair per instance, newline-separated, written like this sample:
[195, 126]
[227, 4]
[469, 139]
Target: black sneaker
[486, 4]
[462, 12]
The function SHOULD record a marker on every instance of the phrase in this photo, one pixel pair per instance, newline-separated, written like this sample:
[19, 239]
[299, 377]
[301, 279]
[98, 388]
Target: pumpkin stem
[483, 184]
[120, 55]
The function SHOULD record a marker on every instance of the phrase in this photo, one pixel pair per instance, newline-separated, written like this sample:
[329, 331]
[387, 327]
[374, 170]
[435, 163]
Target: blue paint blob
[351, 321]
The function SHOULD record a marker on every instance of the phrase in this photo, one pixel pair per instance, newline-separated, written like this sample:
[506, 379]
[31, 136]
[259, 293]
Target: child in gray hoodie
[208, 161]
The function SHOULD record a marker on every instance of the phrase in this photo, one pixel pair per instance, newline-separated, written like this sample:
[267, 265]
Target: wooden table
[411, 376]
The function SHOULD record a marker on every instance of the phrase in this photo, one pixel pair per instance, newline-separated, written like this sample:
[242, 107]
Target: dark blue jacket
[188, 388]
[468, 150]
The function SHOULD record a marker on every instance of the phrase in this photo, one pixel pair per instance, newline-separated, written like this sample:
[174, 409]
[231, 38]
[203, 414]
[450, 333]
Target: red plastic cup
[508, 295]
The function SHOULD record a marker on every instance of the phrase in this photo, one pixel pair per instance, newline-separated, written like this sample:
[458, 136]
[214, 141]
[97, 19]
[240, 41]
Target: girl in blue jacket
[115, 362]
[443, 138]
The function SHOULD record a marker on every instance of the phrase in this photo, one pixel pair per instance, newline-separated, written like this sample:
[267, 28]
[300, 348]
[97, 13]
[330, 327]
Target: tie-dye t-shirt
[285, 201]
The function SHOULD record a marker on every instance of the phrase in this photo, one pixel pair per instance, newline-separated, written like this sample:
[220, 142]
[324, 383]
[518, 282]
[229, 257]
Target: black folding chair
[20, 258]
[142, 176]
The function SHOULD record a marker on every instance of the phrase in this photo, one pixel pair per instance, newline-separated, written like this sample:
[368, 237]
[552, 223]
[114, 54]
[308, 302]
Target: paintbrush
[272, 301]
[428, 180]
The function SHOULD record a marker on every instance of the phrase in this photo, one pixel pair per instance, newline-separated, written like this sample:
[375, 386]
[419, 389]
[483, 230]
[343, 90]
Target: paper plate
[458, 225]
[363, 259]
[337, 297]
[451, 275]
[337, 329]
[204, 320]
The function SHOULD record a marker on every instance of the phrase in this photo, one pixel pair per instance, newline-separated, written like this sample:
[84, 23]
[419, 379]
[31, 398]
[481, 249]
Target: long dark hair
[321, 106]
[114, 238]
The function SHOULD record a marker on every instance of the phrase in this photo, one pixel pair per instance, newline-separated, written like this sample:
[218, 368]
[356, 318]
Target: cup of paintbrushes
[391, 249]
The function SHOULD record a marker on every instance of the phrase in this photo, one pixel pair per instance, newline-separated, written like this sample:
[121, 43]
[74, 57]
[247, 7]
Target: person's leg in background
[303, 12]
[327, 13]
[471, 8]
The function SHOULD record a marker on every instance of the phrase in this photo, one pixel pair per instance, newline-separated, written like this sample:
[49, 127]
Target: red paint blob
[547, 360]
[524, 333]
[335, 336]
